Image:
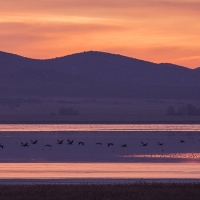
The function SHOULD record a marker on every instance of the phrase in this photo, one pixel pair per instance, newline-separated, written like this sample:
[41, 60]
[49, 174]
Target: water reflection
[188, 156]
[99, 127]
[99, 170]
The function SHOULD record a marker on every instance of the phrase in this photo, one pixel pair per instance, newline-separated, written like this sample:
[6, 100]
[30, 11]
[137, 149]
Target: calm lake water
[186, 170]
[99, 127]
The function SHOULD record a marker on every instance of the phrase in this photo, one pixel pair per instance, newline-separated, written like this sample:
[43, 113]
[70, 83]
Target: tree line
[189, 110]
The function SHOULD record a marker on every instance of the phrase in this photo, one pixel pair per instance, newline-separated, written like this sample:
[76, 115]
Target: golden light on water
[187, 157]
[99, 127]
[98, 170]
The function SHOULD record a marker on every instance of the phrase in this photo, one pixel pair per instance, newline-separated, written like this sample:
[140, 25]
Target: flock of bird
[125, 154]
[70, 142]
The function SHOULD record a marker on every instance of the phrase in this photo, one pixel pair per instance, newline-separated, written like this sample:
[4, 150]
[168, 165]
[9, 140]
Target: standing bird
[70, 141]
[60, 141]
[33, 142]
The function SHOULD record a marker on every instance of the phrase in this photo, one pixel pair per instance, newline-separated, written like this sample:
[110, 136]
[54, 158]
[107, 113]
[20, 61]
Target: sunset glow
[153, 30]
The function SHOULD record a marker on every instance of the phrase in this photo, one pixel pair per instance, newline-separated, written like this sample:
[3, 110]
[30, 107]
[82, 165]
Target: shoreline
[97, 181]
[101, 122]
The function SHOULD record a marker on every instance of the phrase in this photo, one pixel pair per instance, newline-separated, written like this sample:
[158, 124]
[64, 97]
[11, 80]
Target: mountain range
[96, 74]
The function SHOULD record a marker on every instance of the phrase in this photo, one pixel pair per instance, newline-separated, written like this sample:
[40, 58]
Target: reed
[138, 191]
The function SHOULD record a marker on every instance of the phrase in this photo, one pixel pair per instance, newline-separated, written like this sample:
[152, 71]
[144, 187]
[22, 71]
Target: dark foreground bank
[139, 191]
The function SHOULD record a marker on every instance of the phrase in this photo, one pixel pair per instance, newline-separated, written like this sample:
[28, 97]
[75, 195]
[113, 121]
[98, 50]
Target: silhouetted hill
[95, 74]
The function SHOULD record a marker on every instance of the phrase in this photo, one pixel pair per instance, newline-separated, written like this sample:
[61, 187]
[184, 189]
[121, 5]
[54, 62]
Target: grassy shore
[138, 191]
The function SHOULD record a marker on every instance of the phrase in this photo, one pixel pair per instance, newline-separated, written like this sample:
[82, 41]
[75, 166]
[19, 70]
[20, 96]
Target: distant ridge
[6, 55]
[96, 74]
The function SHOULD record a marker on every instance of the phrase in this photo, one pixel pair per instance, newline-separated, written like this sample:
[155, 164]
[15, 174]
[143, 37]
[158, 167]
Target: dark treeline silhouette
[189, 110]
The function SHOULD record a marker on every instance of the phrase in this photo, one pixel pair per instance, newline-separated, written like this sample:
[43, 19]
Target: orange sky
[153, 30]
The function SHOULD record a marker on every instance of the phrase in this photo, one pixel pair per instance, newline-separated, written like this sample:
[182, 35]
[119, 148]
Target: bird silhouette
[1, 146]
[110, 144]
[123, 145]
[33, 142]
[24, 144]
[160, 144]
[144, 144]
[182, 141]
[48, 145]
[81, 143]
[70, 141]
[98, 143]
[60, 141]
